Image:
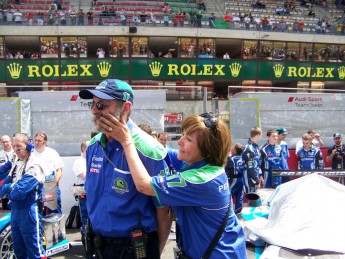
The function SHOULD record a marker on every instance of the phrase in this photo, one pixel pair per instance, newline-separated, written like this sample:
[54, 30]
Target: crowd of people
[251, 167]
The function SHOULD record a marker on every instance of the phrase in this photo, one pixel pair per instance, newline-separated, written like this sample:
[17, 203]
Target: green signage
[166, 69]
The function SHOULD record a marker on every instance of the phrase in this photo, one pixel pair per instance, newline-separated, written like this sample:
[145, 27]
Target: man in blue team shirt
[114, 205]
[251, 161]
[272, 159]
[309, 157]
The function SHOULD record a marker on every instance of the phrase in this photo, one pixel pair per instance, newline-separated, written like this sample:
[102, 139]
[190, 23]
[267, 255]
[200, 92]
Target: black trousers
[122, 249]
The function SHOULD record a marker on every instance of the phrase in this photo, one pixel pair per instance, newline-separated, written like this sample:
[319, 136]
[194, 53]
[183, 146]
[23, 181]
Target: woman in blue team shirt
[199, 192]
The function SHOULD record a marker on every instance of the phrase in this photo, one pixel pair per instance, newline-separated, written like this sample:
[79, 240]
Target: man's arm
[330, 154]
[58, 174]
[164, 221]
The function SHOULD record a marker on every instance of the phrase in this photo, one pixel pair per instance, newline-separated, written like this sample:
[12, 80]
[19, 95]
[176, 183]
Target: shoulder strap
[217, 236]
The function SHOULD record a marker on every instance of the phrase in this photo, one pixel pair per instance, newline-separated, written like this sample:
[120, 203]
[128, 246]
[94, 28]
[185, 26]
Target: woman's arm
[122, 134]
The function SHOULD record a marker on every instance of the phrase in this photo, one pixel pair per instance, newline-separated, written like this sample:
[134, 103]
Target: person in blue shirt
[282, 133]
[309, 156]
[234, 170]
[251, 160]
[272, 158]
[23, 186]
[116, 209]
[199, 192]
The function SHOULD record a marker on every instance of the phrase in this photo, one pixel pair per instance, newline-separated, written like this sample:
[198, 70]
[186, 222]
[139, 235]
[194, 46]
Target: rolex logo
[104, 68]
[235, 69]
[156, 68]
[278, 70]
[341, 72]
[15, 69]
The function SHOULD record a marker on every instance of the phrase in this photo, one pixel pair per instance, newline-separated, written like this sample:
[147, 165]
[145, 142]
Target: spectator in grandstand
[295, 26]
[166, 19]
[143, 16]
[251, 160]
[52, 165]
[272, 158]
[311, 12]
[17, 17]
[9, 15]
[100, 52]
[257, 21]
[336, 153]
[81, 16]
[247, 22]
[123, 17]
[192, 17]
[211, 18]
[236, 19]
[203, 147]
[234, 170]
[153, 18]
[226, 56]
[199, 17]
[227, 17]
[309, 157]
[1, 16]
[300, 26]
[89, 15]
[135, 18]
[40, 16]
[166, 8]
[182, 17]
[62, 16]
[265, 23]
[94, 3]
[72, 15]
[282, 25]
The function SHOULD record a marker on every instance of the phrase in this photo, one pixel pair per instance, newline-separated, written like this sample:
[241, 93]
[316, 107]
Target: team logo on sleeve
[120, 186]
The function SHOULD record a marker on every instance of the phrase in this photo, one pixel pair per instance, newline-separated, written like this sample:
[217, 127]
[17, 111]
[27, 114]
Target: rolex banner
[168, 69]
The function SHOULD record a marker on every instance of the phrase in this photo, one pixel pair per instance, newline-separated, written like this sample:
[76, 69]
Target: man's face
[19, 147]
[102, 107]
[273, 138]
[163, 139]
[6, 143]
[306, 144]
[40, 143]
[281, 137]
[337, 141]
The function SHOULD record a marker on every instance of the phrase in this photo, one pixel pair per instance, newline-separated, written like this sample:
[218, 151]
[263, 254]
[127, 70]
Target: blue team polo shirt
[199, 196]
[114, 204]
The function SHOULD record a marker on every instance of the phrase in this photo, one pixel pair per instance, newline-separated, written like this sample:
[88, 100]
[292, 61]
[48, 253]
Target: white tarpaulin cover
[306, 213]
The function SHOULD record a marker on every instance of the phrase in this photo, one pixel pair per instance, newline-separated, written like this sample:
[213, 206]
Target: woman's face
[188, 148]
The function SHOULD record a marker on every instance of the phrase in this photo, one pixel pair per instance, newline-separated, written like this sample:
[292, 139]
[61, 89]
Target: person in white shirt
[7, 153]
[52, 166]
[316, 142]
[79, 169]
[226, 56]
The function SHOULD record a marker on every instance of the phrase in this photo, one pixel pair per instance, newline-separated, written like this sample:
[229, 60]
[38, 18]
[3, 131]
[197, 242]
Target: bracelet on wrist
[127, 143]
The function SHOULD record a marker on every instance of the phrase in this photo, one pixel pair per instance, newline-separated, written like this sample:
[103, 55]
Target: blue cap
[110, 89]
[282, 131]
[337, 135]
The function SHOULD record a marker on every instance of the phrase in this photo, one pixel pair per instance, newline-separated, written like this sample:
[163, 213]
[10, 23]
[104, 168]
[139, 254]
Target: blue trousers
[26, 225]
[236, 188]
[83, 212]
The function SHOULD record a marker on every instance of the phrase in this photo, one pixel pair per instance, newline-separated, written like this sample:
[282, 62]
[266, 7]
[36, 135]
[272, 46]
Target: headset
[30, 147]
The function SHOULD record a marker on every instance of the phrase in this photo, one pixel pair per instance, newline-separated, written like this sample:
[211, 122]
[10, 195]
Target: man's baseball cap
[337, 135]
[110, 89]
[282, 131]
